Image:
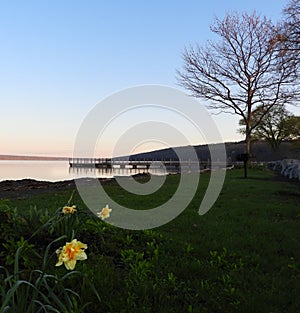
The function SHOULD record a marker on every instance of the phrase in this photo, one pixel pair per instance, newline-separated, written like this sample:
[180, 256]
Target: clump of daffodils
[69, 209]
[70, 253]
[105, 213]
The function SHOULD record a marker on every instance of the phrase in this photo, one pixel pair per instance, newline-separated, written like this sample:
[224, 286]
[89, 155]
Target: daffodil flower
[71, 253]
[104, 213]
[69, 209]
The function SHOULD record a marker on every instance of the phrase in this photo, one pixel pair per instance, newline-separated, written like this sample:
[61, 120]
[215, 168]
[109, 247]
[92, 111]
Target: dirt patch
[278, 177]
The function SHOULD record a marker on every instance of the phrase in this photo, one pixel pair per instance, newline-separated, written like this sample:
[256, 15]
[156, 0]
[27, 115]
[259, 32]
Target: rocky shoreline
[25, 188]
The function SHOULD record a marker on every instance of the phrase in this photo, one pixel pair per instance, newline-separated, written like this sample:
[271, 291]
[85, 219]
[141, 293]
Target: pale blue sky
[59, 58]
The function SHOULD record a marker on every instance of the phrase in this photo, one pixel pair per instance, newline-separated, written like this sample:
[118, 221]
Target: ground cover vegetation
[241, 256]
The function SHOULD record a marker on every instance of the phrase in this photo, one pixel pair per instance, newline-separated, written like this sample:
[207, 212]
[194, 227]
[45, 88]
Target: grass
[241, 256]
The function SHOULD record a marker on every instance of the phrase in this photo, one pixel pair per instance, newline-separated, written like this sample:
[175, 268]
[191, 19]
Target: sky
[58, 59]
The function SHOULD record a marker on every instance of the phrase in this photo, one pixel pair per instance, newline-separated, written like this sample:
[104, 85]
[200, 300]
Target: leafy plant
[29, 255]
[40, 291]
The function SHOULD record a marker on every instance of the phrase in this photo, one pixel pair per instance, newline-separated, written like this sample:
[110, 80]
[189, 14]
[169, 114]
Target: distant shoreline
[4, 157]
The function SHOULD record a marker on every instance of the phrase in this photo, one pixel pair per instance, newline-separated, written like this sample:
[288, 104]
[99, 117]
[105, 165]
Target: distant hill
[261, 151]
[30, 158]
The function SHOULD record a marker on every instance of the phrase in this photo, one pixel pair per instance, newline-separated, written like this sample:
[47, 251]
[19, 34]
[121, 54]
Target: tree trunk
[247, 154]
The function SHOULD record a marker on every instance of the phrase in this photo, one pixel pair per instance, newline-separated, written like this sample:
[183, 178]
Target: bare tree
[289, 36]
[277, 126]
[292, 25]
[241, 71]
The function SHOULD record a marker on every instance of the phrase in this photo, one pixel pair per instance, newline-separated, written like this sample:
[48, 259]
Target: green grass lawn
[241, 256]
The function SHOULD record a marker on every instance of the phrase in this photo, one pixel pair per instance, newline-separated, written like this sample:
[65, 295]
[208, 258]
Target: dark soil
[282, 178]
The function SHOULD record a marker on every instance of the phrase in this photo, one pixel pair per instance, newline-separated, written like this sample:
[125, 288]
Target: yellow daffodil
[71, 253]
[104, 213]
[69, 209]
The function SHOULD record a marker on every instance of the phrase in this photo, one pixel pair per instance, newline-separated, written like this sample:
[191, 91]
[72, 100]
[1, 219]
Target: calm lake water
[58, 171]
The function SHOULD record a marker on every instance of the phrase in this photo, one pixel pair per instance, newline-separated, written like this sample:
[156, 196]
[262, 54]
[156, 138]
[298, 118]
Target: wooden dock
[107, 163]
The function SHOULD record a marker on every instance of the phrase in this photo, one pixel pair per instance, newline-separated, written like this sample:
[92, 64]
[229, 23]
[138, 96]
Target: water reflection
[60, 170]
[113, 172]
[38, 170]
